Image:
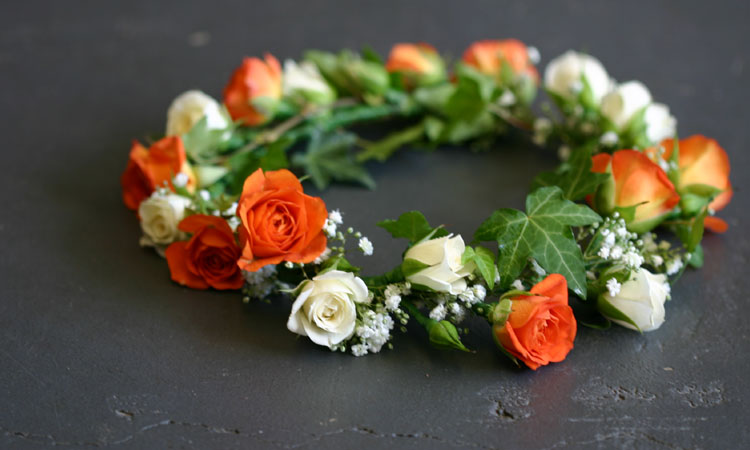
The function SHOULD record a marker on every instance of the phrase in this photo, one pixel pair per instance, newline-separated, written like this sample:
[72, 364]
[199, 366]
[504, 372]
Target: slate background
[99, 349]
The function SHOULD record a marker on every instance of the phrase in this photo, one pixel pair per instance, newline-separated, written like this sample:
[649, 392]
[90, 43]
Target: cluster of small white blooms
[366, 246]
[323, 257]
[537, 269]
[618, 244]
[613, 286]
[392, 295]
[609, 139]
[542, 130]
[438, 312]
[180, 180]
[332, 222]
[658, 158]
[259, 284]
[373, 331]
[518, 285]
[674, 265]
[473, 295]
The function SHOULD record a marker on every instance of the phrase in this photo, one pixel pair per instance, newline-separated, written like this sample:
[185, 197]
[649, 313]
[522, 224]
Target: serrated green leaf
[410, 225]
[543, 233]
[328, 158]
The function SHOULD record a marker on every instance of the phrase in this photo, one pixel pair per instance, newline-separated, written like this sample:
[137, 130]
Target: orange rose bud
[418, 64]
[254, 90]
[279, 221]
[488, 56]
[635, 181]
[149, 169]
[209, 258]
[540, 328]
[702, 161]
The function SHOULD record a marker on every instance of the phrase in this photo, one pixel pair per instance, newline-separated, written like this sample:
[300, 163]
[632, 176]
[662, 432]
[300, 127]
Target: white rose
[660, 124]
[160, 214]
[446, 272]
[189, 108]
[325, 309]
[565, 73]
[304, 80]
[641, 298]
[624, 102]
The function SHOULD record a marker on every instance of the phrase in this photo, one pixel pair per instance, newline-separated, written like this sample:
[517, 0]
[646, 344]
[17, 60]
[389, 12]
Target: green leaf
[485, 261]
[381, 281]
[202, 142]
[574, 177]
[611, 312]
[384, 148]
[542, 233]
[411, 266]
[696, 257]
[328, 158]
[473, 92]
[691, 233]
[338, 262]
[410, 225]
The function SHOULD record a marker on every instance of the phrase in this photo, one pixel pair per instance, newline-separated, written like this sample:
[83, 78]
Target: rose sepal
[442, 335]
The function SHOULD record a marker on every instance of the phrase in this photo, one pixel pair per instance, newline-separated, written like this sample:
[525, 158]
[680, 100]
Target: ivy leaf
[574, 177]
[411, 225]
[542, 233]
[328, 158]
[485, 261]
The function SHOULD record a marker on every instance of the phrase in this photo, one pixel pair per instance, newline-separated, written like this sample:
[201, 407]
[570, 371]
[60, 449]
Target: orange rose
[254, 81]
[209, 258]
[279, 222]
[635, 180]
[149, 169]
[418, 64]
[702, 161]
[540, 328]
[488, 56]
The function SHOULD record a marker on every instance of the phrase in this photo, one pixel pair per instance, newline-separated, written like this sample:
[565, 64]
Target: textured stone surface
[99, 349]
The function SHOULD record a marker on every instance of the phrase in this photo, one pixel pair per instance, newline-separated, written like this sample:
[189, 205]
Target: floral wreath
[215, 198]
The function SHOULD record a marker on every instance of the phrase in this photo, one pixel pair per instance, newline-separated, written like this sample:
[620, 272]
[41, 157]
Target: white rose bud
[443, 255]
[189, 108]
[304, 80]
[660, 124]
[564, 75]
[160, 214]
[325, 309]
[641, 299]
[624, 102]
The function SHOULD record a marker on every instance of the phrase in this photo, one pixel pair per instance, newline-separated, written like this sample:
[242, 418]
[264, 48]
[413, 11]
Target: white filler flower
[443, 256]
[660, 124]
[641, 299]
[189, 108]
[325, 308]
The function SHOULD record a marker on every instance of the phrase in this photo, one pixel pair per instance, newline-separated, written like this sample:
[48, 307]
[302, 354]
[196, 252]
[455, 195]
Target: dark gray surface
[98, 348]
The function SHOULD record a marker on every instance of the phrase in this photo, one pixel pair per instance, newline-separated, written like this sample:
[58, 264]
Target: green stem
[415, 313]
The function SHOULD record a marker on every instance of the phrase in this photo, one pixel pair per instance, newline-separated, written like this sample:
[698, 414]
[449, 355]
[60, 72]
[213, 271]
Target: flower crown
[215, 198]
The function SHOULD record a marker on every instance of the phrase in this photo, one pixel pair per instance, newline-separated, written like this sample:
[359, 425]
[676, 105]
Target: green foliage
[485, 262]
[543, 233]
[691, 231]
[384, 148]
[339, 262]
[574, 177]
[242, 165]
[328, 157]
[410, 225]
[202, 143]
